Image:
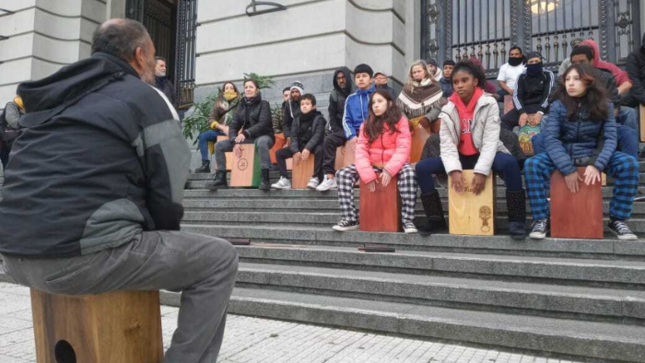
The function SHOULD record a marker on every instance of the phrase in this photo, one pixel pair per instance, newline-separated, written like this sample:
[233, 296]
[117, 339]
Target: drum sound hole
[64, 352]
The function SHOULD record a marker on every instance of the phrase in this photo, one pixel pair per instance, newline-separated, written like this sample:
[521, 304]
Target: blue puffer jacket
[356, 111]
[566, 140]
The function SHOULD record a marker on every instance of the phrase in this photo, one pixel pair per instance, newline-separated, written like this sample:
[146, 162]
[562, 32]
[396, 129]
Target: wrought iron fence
[186, 51]
[486, 29]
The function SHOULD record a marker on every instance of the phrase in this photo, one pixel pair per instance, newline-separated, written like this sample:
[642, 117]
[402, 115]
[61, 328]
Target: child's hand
[385, 178]
[458, 181]
[372, 186]
[591, 174]
[479, 182]
[305, 154]
[572, 182]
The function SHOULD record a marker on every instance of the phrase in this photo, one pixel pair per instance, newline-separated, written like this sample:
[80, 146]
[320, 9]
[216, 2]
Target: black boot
[265, 184]
[219, 182]
[516, 204]
[206, 167]
[434, 212]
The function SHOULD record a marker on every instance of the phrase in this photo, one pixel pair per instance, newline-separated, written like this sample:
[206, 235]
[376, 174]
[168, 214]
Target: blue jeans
[505, 164]
[627, 117]
[627, 141]
[204, 138]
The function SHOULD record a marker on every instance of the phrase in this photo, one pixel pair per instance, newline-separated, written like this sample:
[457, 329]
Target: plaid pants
[622, 167]
[406, 181]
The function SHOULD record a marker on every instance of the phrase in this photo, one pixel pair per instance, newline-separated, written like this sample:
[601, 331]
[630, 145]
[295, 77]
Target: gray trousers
[203, 268]
[263, 143]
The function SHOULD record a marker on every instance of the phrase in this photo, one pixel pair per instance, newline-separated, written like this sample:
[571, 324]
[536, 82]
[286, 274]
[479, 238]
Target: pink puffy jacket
[391, 150]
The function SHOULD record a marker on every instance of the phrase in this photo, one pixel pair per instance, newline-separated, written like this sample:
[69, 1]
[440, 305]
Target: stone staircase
[578, 299]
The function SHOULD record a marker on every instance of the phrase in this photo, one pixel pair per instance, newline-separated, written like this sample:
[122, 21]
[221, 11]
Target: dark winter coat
[532, 94]
[290, 112]
[591, 142]
[446, 86]
[636, 71]
[101, 159]
[254, 116]
[310, 138]
[168, 89]
[337, 100]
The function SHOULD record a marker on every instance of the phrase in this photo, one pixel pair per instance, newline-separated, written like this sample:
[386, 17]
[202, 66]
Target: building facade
[208, 42]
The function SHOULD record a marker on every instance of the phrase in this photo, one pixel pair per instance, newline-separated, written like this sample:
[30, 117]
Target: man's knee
[224, 253]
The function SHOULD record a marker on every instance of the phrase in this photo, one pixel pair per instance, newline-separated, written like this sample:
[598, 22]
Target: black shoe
[219, 182]
[434, 211]
[540, 229]
[621, 230]
[265, 183]
[516, 203]
[206, 168]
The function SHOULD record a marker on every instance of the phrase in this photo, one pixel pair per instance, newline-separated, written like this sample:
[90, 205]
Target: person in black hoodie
[335, 134]
[292, 108]
[251, 124]
[163, 83]
[636, 71]
[307, 135]
[531, 94]
[92, 200]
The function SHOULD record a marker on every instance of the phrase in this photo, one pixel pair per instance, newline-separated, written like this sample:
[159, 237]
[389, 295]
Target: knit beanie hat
[297, 85]
[364, 68]
[433, 62]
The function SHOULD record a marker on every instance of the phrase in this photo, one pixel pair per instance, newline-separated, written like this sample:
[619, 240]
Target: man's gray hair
[119, 37]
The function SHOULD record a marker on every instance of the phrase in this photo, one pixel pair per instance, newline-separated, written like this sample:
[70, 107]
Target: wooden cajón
[471, 214]
[245, 171]
[575, 215]
[122, 326]
[380, 211]
[302, 172]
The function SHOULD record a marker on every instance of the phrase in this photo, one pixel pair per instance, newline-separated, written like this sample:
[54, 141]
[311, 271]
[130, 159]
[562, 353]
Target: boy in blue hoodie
[356, 111]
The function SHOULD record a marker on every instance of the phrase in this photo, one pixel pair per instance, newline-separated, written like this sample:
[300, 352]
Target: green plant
[197, 122]
[263, 81]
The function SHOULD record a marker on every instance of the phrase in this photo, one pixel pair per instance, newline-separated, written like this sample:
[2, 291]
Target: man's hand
[305, 154]
[240, 138]
[524, 118]
[591, 175]
[237, 150]
[385, 178]
[458, 181]
[479, 182]
[572, 182]
[296, 158]
[372, 186]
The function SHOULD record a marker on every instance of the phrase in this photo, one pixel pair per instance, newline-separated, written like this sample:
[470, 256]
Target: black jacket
[168, 89]
[337, 100]
[312, 137]
[290, 112]
[254, 116]
[532, 93]
[636, 71]
[101, 158]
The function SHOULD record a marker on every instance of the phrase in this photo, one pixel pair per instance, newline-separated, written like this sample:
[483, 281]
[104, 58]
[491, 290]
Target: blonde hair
[410, 81]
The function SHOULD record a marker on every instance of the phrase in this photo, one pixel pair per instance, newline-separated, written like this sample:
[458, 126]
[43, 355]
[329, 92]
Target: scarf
[230, 95]
[418, 98]
[306, 117]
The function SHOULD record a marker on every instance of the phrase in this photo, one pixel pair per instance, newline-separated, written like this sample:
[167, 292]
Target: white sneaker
[283, 183]
[327, 184]
[344, 225]
[313, 183]
[409, 228]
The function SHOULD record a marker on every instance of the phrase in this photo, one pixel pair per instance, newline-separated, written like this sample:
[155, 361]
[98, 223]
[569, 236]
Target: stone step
[237, 193]
[599, 273]
[583, 339]
[524, 298]
[302, 205]
[606, 248]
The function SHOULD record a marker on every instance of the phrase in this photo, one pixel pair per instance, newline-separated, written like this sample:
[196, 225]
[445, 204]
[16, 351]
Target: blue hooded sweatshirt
[356, 111]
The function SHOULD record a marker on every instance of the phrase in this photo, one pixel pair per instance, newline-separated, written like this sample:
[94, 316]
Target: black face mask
[515, 61]
[534, 69]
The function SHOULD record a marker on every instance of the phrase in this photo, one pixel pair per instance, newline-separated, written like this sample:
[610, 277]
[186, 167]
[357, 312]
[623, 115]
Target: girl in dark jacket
[251, 124]
[581, 131]
[219, 120]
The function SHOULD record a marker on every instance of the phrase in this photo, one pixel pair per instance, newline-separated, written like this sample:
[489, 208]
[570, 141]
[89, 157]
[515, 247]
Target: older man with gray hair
[92, 201]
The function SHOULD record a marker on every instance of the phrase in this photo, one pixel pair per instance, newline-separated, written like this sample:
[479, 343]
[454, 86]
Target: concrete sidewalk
[253, 340]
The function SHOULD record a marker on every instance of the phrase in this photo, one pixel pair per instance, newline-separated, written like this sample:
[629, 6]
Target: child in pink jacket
[382, 152]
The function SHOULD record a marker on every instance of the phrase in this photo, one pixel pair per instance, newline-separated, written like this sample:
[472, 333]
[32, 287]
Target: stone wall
[45, 35]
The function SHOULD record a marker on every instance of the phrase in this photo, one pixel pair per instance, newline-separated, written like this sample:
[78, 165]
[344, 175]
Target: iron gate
[487, 29]
[173, 31]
